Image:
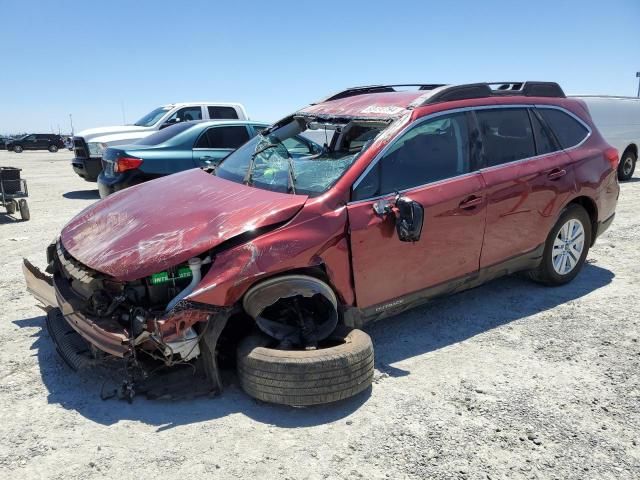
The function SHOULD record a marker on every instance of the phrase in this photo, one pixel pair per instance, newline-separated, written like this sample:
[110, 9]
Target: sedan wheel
[568, 247]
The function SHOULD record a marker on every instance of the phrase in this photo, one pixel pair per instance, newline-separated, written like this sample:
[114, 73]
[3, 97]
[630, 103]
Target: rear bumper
[87, 168]
[109, 185]
[53, 292]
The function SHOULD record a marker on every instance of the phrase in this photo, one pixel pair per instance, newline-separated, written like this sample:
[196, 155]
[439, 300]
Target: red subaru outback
[276, 259]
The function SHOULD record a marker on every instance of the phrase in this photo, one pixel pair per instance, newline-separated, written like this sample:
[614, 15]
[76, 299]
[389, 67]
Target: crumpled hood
[159, 224]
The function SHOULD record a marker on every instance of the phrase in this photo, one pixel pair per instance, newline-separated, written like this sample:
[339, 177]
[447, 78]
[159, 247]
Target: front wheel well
[592, 209]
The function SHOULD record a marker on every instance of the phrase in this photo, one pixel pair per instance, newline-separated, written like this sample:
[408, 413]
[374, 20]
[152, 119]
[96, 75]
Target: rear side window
[224, 113]
[433, 150]
[506, 135]
[569, 131]
[545, 142]
[223, 137]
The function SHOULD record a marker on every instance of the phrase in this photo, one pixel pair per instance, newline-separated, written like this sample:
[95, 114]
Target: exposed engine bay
[145, 310]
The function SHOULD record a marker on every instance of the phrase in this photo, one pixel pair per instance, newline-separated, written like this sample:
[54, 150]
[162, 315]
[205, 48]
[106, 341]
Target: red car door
[430, 164]
[528, 178]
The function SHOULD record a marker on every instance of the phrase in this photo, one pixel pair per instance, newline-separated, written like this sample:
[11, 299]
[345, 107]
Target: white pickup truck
[618, 119]
[88, 145]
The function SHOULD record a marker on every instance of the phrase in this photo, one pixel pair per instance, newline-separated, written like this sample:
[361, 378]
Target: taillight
[611, 154]
[122, 164]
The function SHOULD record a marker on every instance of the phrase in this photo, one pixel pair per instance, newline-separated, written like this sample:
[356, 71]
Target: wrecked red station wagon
[278, 259]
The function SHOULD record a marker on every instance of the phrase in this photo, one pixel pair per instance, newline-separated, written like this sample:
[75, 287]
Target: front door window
[433, 150]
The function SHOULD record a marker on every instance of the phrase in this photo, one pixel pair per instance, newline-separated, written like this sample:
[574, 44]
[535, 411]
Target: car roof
[368, 105]
[385, 102]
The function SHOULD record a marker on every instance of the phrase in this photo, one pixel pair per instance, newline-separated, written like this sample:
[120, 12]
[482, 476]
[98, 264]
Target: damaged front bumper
[110, 337]
[52, 293]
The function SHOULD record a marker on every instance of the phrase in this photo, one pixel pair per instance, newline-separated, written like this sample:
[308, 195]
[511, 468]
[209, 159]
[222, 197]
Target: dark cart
[13, 192]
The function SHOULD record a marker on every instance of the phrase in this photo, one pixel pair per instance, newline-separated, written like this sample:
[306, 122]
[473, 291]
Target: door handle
[470, 203]
[556, 173]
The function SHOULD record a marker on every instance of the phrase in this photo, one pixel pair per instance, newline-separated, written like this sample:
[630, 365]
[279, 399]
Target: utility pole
[638, 77]
[71, 120]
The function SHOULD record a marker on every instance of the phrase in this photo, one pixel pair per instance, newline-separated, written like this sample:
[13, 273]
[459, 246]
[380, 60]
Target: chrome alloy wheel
[568, 247]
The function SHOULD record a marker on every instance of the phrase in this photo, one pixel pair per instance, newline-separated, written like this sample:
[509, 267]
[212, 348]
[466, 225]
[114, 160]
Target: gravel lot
[510, 380]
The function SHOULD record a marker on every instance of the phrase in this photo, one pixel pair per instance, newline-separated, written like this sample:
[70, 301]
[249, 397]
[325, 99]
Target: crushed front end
[145, 319]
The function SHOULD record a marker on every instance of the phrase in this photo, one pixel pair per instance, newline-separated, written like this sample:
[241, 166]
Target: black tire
[311, 377]
[545, 272]
[627, 165]
[53, 148]
[17, 148]
[24, 210]
[11, 207]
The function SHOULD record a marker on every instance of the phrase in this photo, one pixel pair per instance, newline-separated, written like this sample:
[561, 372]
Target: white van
[88, 145]
[618, 119]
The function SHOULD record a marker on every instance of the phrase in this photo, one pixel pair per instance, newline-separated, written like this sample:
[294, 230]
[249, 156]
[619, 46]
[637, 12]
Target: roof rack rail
[354, 91]
[483, 90]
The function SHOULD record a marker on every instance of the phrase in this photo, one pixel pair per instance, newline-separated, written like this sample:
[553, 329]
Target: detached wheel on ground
[627, 165]
[53, 149]
[566, 248]
[340, 369]
[24, 209]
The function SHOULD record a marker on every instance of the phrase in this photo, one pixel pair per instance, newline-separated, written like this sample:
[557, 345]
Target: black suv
[36, 141]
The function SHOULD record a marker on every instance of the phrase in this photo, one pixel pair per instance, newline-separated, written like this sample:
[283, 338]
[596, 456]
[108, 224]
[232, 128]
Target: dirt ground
[510, 380]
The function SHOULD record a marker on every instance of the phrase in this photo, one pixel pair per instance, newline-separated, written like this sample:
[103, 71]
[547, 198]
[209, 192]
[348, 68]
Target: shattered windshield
[152, 117]
[303, 156]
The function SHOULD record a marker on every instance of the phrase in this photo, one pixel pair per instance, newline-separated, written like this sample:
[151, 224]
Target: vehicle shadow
[422, 330]
[456, 318]
[81, 391]
[6, 218]
[82, 195]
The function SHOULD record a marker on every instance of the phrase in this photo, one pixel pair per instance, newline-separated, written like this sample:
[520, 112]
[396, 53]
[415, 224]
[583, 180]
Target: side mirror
[409, 219]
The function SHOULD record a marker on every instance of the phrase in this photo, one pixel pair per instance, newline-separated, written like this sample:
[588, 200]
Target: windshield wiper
[248, 178]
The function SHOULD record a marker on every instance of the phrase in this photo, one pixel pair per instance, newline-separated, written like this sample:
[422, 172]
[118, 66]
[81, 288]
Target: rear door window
[507, 135]
[223, 137]
[224, 113]
[569, 131]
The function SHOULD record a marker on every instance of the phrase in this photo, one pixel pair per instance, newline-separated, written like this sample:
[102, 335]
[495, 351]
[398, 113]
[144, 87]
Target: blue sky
[89, 58]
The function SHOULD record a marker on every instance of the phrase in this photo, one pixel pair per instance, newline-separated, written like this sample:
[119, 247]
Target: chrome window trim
[479, 171]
